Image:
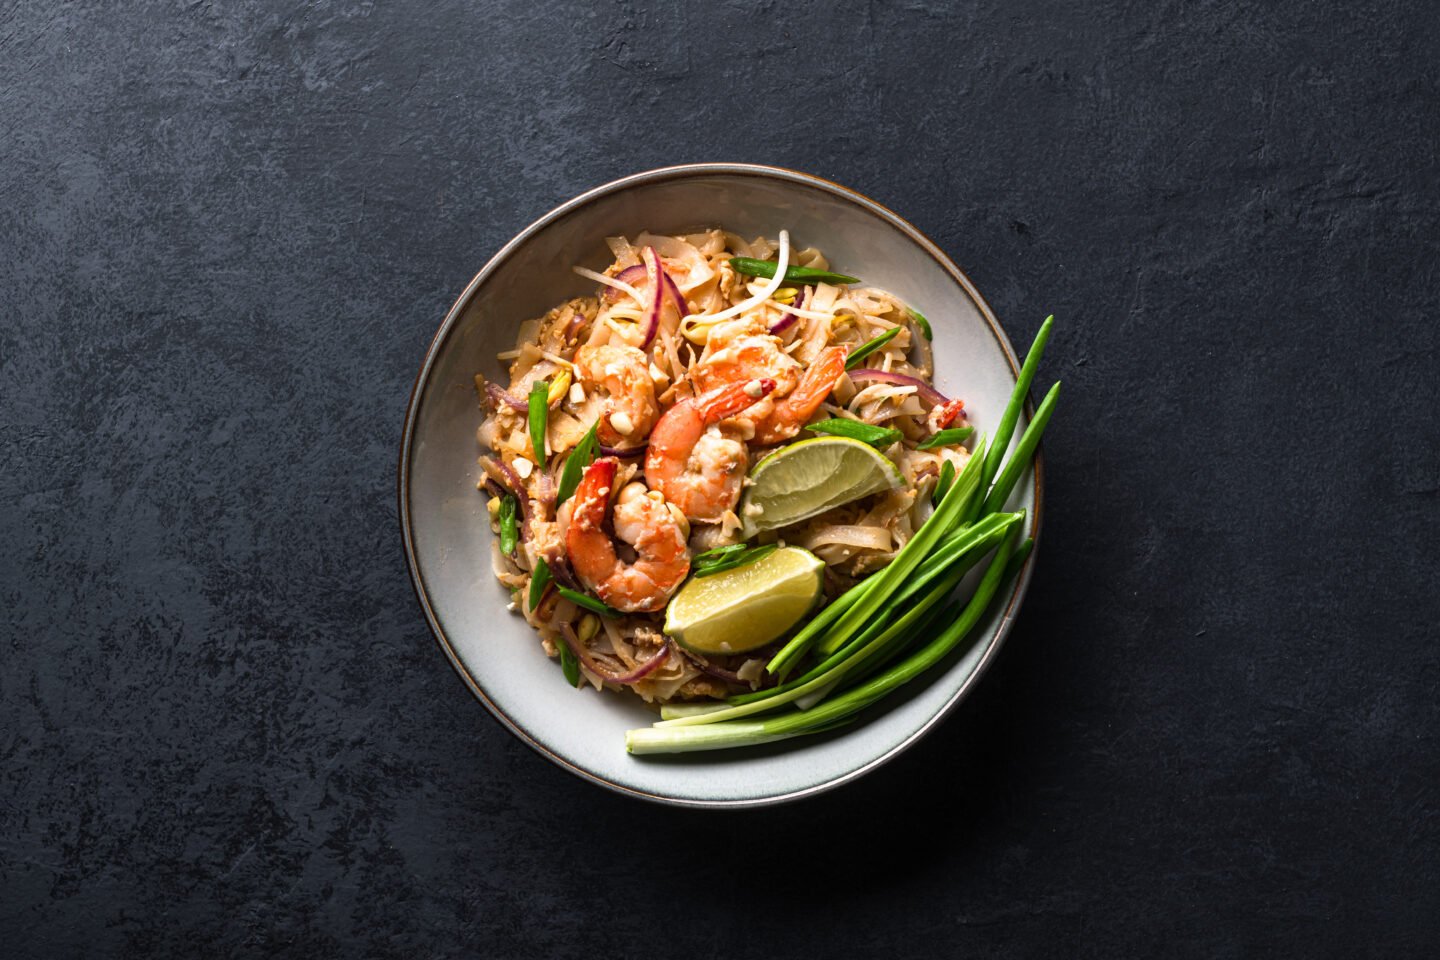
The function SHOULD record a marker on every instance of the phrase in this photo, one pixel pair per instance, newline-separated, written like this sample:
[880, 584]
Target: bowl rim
[659, 175]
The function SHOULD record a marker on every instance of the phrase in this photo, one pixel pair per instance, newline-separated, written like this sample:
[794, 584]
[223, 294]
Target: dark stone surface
[229, 230]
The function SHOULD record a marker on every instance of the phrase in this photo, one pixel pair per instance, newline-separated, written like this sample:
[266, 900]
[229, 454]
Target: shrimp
[739, 349]
[641, 519]
[691, 461]
[789, 413]
[742, 350]
[620, 376]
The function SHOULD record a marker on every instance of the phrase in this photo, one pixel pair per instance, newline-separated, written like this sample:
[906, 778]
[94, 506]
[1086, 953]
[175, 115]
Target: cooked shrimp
[620, 377]
[741, 350]
[695, 465]
[641, 519]
[790, 413]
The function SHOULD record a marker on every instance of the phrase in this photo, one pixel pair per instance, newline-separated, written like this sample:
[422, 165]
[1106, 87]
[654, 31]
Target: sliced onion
[729, 676]
[500, 472]
[922, 389]
[624, 453]
[630, 275]
[674, 293]
[719, 673]
[613, 283]
[605, 673]
[654, 273]
[499, 395]
[638, 274]
[789, 316]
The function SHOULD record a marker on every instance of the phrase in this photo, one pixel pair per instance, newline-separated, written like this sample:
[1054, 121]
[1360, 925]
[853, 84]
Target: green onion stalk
[678, 736]
[895, 624]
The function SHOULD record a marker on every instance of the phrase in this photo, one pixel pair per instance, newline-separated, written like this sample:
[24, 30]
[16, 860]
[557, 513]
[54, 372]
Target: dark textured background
[227, 232]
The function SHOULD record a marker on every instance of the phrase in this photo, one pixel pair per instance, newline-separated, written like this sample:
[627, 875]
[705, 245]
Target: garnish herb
[855, 430]
[539, 414]
[947, 477]
[922, 323]
[717, 553]
[539, 579]
[732, 560]
[945, 438]
[1001, 441]
[766, 269]
[869, 347]
[509, 528]
[588, 602]
[575, 464]
[569, 664]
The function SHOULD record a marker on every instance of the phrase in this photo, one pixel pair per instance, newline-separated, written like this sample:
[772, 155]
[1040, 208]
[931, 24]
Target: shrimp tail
[727, 401]
[790, 413]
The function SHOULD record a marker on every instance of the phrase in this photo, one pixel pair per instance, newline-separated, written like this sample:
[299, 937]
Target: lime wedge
[810, 477]
[747, 607]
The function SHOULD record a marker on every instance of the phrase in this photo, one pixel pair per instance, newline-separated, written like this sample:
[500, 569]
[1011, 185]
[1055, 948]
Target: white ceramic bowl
[446, 531]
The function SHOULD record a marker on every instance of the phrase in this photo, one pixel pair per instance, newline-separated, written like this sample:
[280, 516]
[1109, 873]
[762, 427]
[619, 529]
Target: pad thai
[621, 453]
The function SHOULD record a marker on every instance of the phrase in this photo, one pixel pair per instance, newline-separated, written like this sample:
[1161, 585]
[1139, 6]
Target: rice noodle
[850, 535]
[771, 285]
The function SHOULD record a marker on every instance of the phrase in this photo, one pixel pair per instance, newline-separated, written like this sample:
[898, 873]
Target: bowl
[445, 526]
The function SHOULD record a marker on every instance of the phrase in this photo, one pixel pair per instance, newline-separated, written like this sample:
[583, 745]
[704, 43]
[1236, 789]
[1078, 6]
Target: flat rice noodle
[624, 253]
[697, 268]
[850, 535]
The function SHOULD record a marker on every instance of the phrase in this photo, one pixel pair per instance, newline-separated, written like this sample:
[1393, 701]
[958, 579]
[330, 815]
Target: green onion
[951, 510]
[894, 625]
[669, 711]
[734, 560]
[509, 528]
[539, 413]
[945, 438]
[539, 578]
[717, 553]
[855, 430]
[922, 323]
[1024, 450]
[569, 664]
[766, 269]
[685, 734]
[946, 565]
[588, 602]
[1000, 443]
[947, 477]
[886, 580]
[943, 571]
[869, 347]
[575, 464]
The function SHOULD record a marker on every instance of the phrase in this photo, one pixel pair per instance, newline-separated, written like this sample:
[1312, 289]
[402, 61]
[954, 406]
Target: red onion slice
[729, 676]
[787, 318]
[604, 673]
[503, 476]
[638, 275]
[922, 389]
[631, 275]
[499, 395]
[624, 453]
[673, 292]
[654, 272]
